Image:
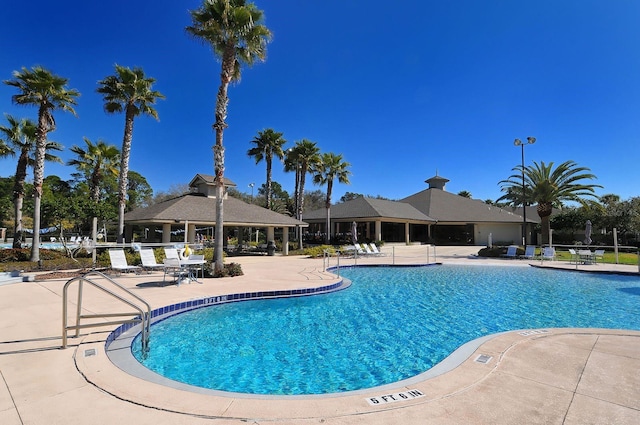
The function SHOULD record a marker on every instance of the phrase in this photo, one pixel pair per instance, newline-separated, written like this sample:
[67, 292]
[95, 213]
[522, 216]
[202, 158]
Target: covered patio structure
[376, 220]
[191, 218]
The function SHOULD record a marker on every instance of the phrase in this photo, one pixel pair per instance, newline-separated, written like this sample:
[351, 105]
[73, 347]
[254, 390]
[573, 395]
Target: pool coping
[118, 343]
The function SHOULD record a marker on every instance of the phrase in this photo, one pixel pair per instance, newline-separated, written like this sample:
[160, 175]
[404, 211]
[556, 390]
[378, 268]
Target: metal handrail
[144, 317]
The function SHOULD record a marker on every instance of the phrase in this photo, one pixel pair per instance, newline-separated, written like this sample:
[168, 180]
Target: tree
[329, 168]
[465, 194]
[19, 136]
[95, 163]
[303, 155]
[281, 201]
[236, 35]
[268, 144]
[139, 191]
[49, 92]
[129, 91]
[549, 187]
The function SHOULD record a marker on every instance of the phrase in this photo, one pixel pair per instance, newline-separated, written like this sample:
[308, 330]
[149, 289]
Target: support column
[378, 231]
[166, 233]
[285, 241]
[191, 233]
[270, 234]
[407, 237]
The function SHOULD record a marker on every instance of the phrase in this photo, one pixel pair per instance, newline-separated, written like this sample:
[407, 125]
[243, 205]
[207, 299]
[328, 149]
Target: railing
[141, 315]
[394, 255]
[615, 248]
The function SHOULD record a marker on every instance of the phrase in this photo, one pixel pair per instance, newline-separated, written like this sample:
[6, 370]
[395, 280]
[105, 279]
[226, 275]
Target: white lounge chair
[149, 260]
[367, 250]
[529, 252]
[375, 249]
[512, 251]
[119, 261]
[549, 253]
[598, 254]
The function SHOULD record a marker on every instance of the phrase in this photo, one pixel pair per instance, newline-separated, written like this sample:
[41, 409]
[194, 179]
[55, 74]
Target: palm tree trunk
[328, 207]
[17, 233]
[123, 178]
[38, 177]
[544, 210]
[299, 200]
[222, 99]
[18, 196]
[269, 195]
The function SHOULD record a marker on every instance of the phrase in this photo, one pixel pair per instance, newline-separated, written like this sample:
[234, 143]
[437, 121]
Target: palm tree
[236, 35]
[96, 162]
[268, 144]
[303, 155]
[330, 167]
[129, 91]
[39, 87]
[19, 135]
[549, 187]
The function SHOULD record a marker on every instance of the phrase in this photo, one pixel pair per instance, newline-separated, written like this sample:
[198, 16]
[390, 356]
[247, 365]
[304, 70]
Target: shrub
[318, 251]
[228, 270]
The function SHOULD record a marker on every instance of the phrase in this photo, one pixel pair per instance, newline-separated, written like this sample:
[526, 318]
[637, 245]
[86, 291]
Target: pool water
[393, 323]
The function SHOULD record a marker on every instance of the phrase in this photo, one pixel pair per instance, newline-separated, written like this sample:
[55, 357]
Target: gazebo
[190, 213]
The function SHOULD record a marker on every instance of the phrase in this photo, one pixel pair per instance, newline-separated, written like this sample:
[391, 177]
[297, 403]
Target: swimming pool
[391, 324]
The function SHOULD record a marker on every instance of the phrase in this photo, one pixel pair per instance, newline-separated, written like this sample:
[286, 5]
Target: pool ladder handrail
[140, 316]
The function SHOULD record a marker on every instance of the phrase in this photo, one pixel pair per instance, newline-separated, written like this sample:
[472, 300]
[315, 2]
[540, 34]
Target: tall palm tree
[49, 92]
[329, 168]
[549, 187]
[129, 90]
[268, 144]
[95, 163]
[300, 158]
[234, 30]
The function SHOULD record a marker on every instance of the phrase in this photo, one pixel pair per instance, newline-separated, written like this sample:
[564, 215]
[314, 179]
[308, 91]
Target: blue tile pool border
[184, 306]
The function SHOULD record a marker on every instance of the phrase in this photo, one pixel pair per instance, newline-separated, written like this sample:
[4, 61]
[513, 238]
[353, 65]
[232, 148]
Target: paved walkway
[550, 376]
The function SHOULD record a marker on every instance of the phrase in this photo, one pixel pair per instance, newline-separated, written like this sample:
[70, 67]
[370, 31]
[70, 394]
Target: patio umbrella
[587, 233]
[354, 233]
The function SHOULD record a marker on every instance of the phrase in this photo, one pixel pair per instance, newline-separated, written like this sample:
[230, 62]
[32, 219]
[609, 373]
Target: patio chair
[197, 257]
[548, 253]
[362, 249]
[585, 256]
[119, 261]
[512, 251]
[173, 267]
[171, 253]
[149, 260]
[529, 252]
[375, 249]
[573, 259]
[598, 254]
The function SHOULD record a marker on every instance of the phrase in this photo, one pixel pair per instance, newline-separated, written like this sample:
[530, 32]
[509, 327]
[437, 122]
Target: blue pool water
[391, 324]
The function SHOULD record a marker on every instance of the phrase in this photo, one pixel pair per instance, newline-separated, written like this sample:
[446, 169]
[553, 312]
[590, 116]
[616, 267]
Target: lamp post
[251, 186]
[518, 142]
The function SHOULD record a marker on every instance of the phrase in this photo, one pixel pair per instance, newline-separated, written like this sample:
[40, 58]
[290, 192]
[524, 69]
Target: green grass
[627, 258]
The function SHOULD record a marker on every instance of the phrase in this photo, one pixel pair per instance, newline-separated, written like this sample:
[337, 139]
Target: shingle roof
[363, 207]
[448, 207]
[197, 208]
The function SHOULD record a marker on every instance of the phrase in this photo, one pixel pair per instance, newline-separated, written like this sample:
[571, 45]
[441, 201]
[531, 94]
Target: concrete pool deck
[564, 376]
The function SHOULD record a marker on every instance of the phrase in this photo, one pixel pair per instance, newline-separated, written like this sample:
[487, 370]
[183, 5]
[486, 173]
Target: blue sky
[401, 89]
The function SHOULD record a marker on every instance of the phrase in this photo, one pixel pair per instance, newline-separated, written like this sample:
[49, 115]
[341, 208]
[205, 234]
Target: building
[429, 216]
[193, 215]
